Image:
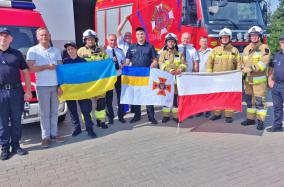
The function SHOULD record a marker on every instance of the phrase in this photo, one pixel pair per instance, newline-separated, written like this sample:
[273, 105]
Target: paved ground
[201, 153]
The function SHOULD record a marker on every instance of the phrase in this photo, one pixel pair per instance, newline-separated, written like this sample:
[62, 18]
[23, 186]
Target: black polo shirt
[278, 66]
[141, 55]
[69, 60]
[11, 61]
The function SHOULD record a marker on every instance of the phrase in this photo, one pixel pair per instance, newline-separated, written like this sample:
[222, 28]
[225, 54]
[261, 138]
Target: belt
[10, 86]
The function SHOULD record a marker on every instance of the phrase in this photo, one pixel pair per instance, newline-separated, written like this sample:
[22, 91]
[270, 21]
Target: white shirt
[191, 56]
[119, 55]
[203, 56]
[122, 44]
[43, 56]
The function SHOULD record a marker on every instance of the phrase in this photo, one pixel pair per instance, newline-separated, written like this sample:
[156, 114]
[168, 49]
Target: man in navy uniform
[276, 83]
[142, 54]
[11, 95]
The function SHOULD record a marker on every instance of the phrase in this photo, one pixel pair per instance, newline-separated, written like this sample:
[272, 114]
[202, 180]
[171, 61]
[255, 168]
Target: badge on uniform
[267, 51]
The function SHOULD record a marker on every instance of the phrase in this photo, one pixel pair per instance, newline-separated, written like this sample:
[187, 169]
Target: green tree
[276, 28]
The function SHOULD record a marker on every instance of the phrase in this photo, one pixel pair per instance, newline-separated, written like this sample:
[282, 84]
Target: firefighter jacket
[92, 53]
[256, 57]
[223, 58]
[172, 60]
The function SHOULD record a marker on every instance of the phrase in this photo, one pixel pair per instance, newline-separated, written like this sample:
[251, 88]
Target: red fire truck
[21, 19]
[198, 17]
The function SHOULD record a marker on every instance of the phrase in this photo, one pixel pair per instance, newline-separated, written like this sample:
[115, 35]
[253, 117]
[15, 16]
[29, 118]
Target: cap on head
[140, 29]
[5, 30]
[281, 37]
[72, 44]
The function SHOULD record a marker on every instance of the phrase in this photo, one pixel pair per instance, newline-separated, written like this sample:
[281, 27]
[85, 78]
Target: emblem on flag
[162, 87]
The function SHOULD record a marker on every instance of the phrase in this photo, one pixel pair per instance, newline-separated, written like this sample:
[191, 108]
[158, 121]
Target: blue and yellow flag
[86, 80]
[146, 86]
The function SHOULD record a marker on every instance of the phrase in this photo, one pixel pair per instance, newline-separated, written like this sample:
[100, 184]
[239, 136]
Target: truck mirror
[213, 9]
[265, 12]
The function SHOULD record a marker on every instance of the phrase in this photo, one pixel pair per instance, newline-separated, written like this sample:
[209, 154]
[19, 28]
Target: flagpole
[177, 131]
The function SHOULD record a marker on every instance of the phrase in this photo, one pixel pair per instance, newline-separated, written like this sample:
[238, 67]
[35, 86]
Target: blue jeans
[278, 99]
[86, 109]
[11, 109]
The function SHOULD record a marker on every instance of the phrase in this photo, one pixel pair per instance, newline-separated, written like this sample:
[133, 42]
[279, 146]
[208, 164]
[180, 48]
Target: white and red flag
[201, 92]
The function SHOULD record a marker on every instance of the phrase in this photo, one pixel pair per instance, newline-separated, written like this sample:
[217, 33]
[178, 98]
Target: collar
[145, 43]
[228, 46]
[7, 50]
[205, 51]
[109, 47]
[187, 45]
[41, 47]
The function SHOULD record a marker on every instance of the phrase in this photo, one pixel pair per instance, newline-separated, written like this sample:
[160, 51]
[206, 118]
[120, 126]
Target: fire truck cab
[198, 17]
[21, 19]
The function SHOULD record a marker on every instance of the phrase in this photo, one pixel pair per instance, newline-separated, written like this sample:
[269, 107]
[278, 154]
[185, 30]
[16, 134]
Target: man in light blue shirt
[189, 52]
[118, 57]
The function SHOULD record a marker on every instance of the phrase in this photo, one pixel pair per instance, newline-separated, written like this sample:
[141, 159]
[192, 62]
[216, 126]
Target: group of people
[174, 58]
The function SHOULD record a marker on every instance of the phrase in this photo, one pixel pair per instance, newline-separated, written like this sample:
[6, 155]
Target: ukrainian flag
[146, 86]
[86, 80]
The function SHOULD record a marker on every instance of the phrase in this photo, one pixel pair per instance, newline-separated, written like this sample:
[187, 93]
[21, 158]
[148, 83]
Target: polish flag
[201, 92]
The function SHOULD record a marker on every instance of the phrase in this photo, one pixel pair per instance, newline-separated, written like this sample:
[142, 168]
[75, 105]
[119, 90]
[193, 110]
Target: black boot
[213, 118]
[260, 125]
[77, 131]
[5, 153]
[176, 120]
[104, 125]
[165, 119]
[91, 132]
[110, 121]
[98, 123]
[228, 119]
[248, 122]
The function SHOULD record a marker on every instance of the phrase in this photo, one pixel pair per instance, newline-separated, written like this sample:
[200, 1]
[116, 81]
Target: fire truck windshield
[23, 38]
[233, 12]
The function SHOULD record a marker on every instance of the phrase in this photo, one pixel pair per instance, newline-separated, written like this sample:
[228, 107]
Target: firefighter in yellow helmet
[223, 58]
[172, 61]
[92, 52]
[254, 67]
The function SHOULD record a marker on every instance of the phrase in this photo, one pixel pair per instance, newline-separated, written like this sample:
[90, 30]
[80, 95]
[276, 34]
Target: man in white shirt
[43, 59]
[119, 58]
[203, 52]
[189, 52]
[123, 41]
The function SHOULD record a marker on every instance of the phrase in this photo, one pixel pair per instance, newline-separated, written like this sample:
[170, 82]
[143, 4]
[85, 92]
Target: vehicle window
[189, 12]
[23, 38]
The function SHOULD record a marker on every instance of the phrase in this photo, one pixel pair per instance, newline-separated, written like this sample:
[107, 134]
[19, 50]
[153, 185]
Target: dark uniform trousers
[278, 99]
[150, 111]
[86, 109]
[109, 99]
[11, 109]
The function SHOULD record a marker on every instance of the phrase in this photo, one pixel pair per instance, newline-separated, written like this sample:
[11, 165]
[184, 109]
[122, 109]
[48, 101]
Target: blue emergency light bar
[17, 4]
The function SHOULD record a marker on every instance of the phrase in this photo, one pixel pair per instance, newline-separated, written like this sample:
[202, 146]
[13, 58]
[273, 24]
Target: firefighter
[254, 67]
[172, 61]
[223, 58]
[92, 52]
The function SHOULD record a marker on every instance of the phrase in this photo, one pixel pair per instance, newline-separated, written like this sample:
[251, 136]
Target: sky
[273, 4]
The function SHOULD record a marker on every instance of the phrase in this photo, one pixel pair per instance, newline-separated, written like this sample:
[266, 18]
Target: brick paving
[201, 153]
